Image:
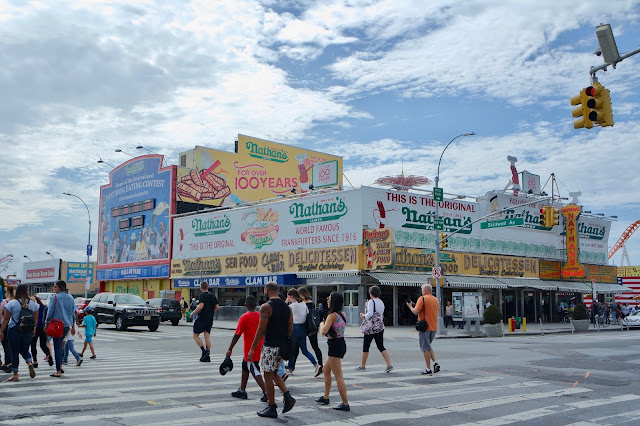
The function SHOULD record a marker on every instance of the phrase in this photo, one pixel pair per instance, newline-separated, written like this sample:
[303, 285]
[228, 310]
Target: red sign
[572, 268]
[33, 274]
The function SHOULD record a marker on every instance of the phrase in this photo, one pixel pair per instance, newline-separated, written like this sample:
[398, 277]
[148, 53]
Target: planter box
[493, 330]
[580, 325]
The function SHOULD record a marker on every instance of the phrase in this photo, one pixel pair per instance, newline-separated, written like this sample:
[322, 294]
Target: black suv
[124, 310]
[169, 309]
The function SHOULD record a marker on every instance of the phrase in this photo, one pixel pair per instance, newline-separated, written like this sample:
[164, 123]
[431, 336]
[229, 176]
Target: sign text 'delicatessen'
[466, 263]
[280, 262]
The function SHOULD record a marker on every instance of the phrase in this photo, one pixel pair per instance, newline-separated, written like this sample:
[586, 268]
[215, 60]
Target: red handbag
[55, 327]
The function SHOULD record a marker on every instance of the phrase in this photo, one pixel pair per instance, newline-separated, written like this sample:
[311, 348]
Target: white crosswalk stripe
[162, 387]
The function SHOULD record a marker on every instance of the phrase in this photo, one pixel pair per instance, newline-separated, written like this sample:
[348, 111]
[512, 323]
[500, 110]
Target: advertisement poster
[593, 239]
[333, 219]
[77, 272]
[260, 170]
[472, 306]
[376, 248]
[42, 271]
[457, 305]
[134, 227]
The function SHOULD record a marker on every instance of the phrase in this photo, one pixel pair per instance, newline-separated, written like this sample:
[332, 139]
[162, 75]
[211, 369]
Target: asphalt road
[142, 378]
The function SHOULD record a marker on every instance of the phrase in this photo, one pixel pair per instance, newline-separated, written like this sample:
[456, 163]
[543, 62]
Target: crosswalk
[159, 386]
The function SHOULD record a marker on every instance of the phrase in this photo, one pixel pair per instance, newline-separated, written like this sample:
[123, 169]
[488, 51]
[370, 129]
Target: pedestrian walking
[299, 336]
[316, 318]
[192, 307]
[62, 308]
[69, 347]
[333, 327]
[20, 319]
[448, 315]
[207, 306]
[426, 309]
[90, 329]
[373, 329]
[247, 327]
[275, 325]
[40, 335]
[6, 347]
[184, 306]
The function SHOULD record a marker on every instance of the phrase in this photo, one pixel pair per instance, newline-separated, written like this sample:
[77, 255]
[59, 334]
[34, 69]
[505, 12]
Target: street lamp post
[49, 253]
[27, 257]
[441, 329]
[86, 285]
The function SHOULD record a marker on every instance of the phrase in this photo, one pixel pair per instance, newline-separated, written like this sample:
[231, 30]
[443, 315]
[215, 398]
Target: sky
[385, 84]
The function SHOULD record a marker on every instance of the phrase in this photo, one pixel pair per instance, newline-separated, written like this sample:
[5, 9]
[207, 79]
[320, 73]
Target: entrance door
[351, 307]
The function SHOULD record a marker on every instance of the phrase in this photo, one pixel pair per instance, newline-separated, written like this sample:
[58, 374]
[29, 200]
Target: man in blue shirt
[63, 308]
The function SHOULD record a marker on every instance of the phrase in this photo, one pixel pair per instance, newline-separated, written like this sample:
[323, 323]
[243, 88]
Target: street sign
[502, 223]
[436, 272]
[438, 194]
[438, 224]
[89, 249]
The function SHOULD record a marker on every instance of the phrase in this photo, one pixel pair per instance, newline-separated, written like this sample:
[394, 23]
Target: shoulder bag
[373, 325]
[422, 325]
[55, 327]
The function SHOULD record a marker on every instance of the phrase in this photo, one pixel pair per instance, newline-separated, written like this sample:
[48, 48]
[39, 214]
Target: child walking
[68, 347]
[90, 326]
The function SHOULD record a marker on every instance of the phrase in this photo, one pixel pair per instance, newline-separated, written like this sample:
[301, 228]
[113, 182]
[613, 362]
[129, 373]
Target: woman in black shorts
[333, 328]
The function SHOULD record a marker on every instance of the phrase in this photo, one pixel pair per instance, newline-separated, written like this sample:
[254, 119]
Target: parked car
[81, 303]
[632, 320]
[169, 309]
[124, 310]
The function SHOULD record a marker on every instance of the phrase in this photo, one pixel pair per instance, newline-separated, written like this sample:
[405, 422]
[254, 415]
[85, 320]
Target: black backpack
[26, 322]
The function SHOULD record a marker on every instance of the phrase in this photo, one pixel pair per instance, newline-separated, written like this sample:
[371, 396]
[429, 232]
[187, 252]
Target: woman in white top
[299, 336]
[374, 305]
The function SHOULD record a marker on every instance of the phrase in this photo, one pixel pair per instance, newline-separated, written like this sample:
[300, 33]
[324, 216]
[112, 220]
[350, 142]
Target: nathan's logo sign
[266, 153]
[415, 220]
[318, 211]
[134, 168]
[262, 228]
[572, 268]
[530, 221]
[210, 226]
[593, 232]
[201, 267]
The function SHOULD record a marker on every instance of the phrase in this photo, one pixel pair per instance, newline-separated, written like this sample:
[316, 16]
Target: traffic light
[599, 104]
[554, 216]
[581, 111]
[443, 241]
[543, 217]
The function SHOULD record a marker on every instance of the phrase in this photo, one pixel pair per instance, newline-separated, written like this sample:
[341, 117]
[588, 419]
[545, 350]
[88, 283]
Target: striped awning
[468, 281]
[318, 274]
[401, 278]
[571, 286]
[610, 288]
[526, 283]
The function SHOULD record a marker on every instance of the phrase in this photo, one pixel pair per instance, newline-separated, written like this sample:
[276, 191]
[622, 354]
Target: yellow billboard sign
[279, 262]
[376, 248]
[259, 170]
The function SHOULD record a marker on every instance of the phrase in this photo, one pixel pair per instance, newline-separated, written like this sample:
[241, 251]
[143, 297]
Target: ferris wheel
[5, 261]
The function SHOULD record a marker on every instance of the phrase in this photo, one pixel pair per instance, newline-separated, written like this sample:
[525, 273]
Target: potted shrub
[493, 322]
[579, 318]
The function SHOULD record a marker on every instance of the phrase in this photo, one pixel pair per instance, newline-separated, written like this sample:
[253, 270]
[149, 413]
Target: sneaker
[322, 400]
[425, 372]
[206, 357]
[289, 372]
[239, 394]
[50, 361]
[342, 407]
[264, 398]
[318, 370]
[79, 362]
[92, 357]
[32, 371]
[270, 412]
[289, 402]
[359, 368]
[35, 364]
[436, 367]
[389, 369]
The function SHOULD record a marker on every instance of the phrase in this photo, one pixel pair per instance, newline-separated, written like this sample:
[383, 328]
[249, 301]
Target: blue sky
[385, 84]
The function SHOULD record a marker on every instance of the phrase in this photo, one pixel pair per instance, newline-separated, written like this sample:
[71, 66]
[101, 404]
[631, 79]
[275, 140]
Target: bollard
[512, 325]
[524, 324]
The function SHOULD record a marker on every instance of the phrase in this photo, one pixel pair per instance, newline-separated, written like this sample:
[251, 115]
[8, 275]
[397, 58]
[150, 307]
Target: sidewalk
[452, 333]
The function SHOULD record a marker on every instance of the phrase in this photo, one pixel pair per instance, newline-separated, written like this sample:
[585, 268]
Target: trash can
[518, 322]
[188, 316]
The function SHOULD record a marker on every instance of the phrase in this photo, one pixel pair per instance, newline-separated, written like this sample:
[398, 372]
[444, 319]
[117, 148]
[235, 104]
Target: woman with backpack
[316, 317]
[20, 318]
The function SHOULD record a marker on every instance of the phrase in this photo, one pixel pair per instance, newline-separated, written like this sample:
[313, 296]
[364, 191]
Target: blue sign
[134, 226]
[236, 281]
[133, 272]
[77, 272]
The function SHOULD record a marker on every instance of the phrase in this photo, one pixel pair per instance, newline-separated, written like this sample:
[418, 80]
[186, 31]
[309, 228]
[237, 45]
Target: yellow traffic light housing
[581, 111]
[543, 217]
[443, 241]
[599, 104]
[554, 216]
[608, 112]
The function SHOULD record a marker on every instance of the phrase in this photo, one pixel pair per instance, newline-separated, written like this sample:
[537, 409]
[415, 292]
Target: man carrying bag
[427, 311]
